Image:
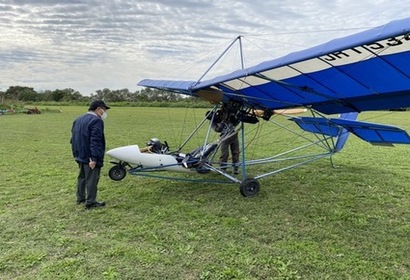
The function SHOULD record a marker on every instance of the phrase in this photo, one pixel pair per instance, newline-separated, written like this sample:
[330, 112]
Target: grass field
[312, 222]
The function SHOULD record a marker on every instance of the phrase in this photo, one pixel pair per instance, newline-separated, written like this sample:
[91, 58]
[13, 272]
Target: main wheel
[201, 169]
[117, 172]
[250, 187]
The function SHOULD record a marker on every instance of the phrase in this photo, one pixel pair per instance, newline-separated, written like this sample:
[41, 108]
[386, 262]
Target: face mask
[104, 115]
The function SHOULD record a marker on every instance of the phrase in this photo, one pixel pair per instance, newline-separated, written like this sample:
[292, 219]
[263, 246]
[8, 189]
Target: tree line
[28, 94]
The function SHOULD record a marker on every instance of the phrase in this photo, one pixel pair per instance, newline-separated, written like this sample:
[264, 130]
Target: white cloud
[88, 44]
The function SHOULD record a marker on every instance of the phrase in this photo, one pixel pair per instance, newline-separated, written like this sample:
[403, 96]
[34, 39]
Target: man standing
[229, 141]
[88, 147]
[224, 121]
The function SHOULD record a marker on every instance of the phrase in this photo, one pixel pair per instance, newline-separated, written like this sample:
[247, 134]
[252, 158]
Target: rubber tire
[117, 172]
[202, 170]
[250, 187]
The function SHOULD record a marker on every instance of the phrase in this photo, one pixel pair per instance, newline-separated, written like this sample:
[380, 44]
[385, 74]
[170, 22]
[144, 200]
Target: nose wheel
[249, 187]
[117, 172]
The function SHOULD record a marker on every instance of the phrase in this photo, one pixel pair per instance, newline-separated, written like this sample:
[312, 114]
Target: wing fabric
[361, 72]
[377, 134]
[183, 87]
[317, 125]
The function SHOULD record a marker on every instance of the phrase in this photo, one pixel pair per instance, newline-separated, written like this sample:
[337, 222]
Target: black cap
[98, 103]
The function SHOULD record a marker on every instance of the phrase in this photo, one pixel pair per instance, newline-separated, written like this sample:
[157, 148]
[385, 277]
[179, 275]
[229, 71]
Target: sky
[89, 45]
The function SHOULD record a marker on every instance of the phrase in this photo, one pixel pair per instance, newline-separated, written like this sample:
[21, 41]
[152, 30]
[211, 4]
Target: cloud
[89, 45]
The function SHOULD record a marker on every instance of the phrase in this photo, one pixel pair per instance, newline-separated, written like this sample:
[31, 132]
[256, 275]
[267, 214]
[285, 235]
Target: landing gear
[249, 187]
[202, 170]
[117, 172]
[202, 167]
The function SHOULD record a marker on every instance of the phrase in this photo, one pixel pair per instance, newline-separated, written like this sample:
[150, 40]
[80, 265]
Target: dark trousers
[87, 182]
[231, 143]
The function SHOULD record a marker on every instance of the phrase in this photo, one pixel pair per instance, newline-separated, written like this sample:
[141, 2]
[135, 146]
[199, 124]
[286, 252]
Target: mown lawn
[312, 222]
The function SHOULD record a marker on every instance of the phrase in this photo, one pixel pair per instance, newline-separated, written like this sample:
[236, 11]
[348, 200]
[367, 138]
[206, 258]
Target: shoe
[95, 205]
[236, 171]
[80, 201]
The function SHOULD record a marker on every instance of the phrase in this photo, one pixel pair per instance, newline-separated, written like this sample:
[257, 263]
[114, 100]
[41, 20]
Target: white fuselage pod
[132, 155]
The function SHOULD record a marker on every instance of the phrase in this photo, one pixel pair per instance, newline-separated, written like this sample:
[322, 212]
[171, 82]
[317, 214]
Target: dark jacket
[87, 139]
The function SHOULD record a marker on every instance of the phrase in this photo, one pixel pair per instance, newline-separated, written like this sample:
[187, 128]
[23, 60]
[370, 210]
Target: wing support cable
[220, 56]
[293, 156]
[332, 146]
[286, 157]
[326, 143]
[195, 131]
[315, 158]
[323, 143]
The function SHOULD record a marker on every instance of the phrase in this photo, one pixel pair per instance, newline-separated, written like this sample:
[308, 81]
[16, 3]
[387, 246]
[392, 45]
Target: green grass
[312, 222]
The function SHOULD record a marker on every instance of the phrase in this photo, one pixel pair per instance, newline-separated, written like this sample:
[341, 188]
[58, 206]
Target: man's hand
[92, 164]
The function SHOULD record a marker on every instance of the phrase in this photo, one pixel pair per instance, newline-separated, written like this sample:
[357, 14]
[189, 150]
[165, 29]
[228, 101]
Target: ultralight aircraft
[329, 85]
